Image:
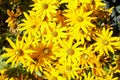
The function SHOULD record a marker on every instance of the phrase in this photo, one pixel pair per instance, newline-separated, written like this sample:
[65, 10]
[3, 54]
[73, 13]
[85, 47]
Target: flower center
[19, 38]
[34, 26]
[70, 51]
[19, 52]
[69, 68]
[46, 50]
[105, 42]
[80, 18]
[85, 56]
[54, 33]
[45, 6]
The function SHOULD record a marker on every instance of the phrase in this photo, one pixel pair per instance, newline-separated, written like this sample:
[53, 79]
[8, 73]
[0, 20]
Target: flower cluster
[65, 40]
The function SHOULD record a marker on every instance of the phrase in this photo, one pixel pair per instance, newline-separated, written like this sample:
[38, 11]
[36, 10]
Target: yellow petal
[106, 50]
[11, 43]
[28, 58]
[110, 34]
[111, 49]
[26, 16]
[22, 61]
[29, 51]
[13, 62]
[9, 50]
[10, 59]
[7, 54]
[17, 41]
[32, 69]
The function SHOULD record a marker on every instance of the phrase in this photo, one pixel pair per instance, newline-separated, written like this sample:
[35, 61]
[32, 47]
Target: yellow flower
[68, 69]
[12, 19]
[45, 8]
[43, 23]
[31, 24]
[105, 42]
[56, 33]
[19, 52]
[69, 49]
[80, 19]
[86, 60]
[44, 51]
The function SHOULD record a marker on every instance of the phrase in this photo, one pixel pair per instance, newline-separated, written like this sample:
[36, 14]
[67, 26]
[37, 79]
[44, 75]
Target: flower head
[31, 24]
[19, 52]
[105, 42]
[45, 8]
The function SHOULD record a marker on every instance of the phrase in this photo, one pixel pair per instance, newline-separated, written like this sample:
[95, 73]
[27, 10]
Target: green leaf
[118, 9]
[2, 64]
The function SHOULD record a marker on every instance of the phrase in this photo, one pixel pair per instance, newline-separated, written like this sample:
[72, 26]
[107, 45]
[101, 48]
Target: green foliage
[115, 16]
[2, 64]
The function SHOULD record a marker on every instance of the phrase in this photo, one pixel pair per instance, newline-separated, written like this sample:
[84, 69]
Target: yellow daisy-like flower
[45, 8]
[31, 24]
[86, 60]
[12, 18]
[105, 42]
[68, 69]
[56, 33]
[19, 52]
[69, 49]
[80, 19]
[44, 51]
